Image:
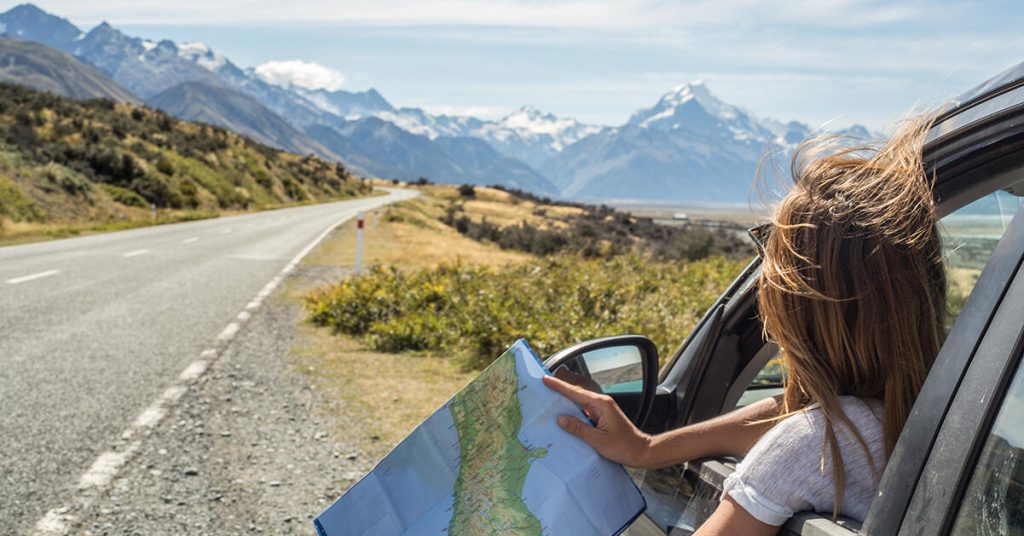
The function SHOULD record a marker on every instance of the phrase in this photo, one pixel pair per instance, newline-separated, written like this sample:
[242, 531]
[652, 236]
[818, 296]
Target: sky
[821, 62]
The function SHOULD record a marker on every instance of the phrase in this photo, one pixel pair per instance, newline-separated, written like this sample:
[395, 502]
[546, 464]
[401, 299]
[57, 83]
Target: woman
[852, 289]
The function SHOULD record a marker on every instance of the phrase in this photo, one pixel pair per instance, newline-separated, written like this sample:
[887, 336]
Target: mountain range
[688, 147]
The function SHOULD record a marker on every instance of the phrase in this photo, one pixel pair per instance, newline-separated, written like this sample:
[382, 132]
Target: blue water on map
[572, 474]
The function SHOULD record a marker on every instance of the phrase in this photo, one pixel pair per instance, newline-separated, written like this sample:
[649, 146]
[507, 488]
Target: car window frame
[976, 402]
[968, 164]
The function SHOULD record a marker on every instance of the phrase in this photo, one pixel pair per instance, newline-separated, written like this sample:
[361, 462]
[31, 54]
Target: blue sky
[847, 61]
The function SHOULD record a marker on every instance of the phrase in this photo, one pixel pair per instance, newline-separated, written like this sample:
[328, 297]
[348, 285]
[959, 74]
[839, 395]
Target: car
[958, 466]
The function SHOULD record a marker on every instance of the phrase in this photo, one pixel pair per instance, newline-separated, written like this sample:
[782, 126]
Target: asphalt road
[93, 329]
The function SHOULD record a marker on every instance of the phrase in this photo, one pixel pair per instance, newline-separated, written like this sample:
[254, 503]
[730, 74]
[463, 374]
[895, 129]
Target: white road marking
[31, 277]
[106, 467]
[225, 231]
[189, 240]
[136, 253]
[229, 332]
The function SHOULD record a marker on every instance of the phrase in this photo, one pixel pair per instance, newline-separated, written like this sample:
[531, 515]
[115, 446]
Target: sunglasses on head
[759, 235]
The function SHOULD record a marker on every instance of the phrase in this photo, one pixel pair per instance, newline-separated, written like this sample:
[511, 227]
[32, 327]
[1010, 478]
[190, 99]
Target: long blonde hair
[852, 285]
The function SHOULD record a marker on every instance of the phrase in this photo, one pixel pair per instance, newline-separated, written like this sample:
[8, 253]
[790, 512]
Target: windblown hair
[852, 285]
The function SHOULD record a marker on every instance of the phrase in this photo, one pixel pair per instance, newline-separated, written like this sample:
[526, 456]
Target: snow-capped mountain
[526, 134]
[346, 103]
[688, 146]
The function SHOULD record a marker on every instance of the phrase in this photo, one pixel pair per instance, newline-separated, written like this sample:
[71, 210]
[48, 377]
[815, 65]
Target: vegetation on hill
[65, 161]
[596, 231]
[618, 277]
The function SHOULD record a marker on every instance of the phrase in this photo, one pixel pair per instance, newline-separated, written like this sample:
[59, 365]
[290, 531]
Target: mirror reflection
[616, 369]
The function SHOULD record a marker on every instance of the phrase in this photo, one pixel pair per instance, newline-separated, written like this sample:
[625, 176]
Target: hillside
[237, 112]
[70, 162]
[46, 69]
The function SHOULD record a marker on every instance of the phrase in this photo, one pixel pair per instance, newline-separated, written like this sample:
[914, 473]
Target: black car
[958, 467]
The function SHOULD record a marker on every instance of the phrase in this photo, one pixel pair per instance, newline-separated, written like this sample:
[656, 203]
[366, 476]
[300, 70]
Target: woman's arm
[730, 518]
[615, 437]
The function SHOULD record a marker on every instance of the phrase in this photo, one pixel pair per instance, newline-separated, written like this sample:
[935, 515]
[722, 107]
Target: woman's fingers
[579, 429]
[575, 393]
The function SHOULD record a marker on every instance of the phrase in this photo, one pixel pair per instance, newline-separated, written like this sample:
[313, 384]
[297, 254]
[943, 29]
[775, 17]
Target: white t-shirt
[782, 473]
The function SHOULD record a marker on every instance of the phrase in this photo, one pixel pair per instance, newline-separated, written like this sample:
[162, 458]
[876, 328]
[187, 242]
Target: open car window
[969, 236]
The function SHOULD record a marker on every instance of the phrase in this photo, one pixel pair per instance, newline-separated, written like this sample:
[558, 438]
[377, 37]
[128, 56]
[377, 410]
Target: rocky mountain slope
[40, 67]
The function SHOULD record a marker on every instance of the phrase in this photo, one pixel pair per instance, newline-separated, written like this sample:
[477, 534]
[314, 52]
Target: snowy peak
[346, 103]
[200, 54]
[685, 102]
[528, 120]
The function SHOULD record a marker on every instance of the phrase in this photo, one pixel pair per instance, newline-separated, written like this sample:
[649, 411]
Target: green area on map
[493, 462]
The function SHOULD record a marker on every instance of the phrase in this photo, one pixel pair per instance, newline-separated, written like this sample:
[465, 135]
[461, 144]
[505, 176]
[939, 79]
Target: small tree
[467, 190]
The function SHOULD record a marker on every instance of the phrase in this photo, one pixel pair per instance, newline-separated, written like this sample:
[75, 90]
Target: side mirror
[624, 367]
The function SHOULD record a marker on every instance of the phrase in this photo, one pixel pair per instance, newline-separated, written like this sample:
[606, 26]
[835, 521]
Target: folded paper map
[492, 460]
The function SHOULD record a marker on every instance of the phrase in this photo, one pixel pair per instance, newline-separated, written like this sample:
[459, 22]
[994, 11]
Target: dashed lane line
[31, 277]
[136, 253]
[189, 240]
[101, 474]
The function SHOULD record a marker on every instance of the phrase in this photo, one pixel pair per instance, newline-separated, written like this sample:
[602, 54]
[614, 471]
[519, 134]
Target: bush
[124, 195]
[66, 180]
[603, 232]
[163, 165]
[14, 204]
[467, 190]
[474, 313]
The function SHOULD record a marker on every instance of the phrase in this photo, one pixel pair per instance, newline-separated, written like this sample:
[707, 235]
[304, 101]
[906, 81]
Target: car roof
[1000, 83]
[989, 98]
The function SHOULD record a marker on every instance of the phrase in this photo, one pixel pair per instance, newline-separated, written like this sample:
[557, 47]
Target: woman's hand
[613, 435]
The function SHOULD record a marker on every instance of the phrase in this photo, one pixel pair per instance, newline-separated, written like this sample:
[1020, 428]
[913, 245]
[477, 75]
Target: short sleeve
[781, 474]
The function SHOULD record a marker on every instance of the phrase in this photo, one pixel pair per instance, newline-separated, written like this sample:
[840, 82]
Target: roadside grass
[383, 396]
[409, 235]
[388, 394]
[12, 233]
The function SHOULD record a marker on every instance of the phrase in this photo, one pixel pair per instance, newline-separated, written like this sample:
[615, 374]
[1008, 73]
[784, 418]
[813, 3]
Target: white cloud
[592, 14]
[300, 73]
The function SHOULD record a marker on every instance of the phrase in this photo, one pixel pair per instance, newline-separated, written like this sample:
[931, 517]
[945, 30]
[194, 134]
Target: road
[94, 329]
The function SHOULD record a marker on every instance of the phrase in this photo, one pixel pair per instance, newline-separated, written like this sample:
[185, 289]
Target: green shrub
[14, 204]
[66, 180]
[474, 313]
[163, 165]
[123, 195]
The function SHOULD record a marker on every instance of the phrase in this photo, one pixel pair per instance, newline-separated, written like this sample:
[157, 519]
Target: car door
[972, 481]
[719, 364]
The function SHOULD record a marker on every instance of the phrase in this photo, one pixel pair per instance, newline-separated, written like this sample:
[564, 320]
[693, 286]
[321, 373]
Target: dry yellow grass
[409, 235]
[384, 396]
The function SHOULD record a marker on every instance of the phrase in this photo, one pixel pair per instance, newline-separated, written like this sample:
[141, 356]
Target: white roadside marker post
[152, 207]
[359, 243]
